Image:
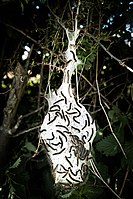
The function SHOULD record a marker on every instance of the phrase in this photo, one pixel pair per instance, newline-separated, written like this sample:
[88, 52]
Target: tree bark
[9, 125]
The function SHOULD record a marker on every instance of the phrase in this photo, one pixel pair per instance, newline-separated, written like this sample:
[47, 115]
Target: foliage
[24, 169]
[108, 146]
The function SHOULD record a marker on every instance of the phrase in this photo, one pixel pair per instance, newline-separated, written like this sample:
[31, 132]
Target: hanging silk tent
[68, 130]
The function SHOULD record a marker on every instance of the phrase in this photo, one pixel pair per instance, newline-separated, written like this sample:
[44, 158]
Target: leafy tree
[33, 43]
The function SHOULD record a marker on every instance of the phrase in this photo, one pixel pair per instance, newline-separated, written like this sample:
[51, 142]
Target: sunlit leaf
[11, 192]
[30, 147]
[16, 164]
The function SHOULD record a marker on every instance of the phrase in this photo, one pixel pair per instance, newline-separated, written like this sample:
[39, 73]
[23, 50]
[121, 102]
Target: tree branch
[15, 95]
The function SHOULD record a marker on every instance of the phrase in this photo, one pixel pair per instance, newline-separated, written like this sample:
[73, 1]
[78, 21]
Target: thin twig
[6, 92]
[112, 56]
[114, 88]
[21, 117]
[95, 171]
[100, 102]
[76, 29]
[27, 131]
[20, 31]
[94, 90]
[115, 58]
[71, 11]
[33, 112]
[27, 36]
[57, 18]
[76, 17]
[124, 181]
[40, 85]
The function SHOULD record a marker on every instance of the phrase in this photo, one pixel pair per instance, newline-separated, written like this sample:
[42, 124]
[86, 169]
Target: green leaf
[87, 191]
[11, 192]
[42, 1]
[16, 164]
[26, 1]
[108, 146]
[30, 147]
[114, 114]
[92, 57]
[99, 135]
